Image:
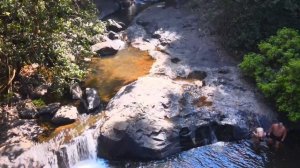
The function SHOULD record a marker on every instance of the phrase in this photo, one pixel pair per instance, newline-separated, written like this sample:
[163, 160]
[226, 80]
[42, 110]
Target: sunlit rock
[76, 91]
[107, 48]
[65, 115]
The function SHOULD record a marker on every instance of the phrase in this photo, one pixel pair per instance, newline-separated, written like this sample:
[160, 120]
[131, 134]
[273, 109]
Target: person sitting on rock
[258, 135]
[277, 134]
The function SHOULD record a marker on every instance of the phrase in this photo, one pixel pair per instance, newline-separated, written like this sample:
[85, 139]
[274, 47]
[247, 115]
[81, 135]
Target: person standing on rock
[277, 134]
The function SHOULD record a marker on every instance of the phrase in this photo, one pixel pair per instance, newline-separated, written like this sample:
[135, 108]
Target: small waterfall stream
[57, 153]
[82, 148]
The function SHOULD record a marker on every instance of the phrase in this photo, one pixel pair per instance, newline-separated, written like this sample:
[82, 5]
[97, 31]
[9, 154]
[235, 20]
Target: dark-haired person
[258, 135]
[277, 134]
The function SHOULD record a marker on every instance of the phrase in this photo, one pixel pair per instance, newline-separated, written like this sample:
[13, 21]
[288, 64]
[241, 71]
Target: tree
[276, 70]
[45, 32]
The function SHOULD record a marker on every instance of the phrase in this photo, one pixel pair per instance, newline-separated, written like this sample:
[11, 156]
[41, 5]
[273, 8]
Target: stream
[79, 150]
[220, 154]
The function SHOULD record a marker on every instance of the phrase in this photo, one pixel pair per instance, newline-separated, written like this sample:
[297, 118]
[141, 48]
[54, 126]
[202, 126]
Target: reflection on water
[109, 74]
[218, 155]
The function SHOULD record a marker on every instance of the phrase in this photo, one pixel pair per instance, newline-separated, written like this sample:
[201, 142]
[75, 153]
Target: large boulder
[156, 116]
[65, 115]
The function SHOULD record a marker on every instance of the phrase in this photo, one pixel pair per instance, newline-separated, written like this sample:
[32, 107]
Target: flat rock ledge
[157, 116]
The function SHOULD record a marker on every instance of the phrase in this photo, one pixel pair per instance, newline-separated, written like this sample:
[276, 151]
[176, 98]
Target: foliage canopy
[276, 69]
[47, 32]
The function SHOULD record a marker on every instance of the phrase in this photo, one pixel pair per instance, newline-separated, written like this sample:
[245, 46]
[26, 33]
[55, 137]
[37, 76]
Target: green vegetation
[47, 32]
[243, 23]
[276, 69]
[38, 103]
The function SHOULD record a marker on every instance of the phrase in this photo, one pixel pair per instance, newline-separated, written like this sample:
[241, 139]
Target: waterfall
[82, 148]
[58, 154]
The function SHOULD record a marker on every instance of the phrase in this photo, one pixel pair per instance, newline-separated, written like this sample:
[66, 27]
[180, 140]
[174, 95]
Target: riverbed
[218, 155]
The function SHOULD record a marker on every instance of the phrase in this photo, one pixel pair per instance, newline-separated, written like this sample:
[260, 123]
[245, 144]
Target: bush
[38, 103]
[46, 32]
[276, 70]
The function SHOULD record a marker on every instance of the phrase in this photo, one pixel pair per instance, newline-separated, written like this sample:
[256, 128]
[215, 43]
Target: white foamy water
[99, 163]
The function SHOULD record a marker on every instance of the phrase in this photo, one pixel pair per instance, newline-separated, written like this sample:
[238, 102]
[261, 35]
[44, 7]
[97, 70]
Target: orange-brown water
[109, 74]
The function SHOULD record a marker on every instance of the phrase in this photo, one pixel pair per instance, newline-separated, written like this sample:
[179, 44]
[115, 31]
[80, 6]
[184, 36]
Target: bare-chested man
[277, 134]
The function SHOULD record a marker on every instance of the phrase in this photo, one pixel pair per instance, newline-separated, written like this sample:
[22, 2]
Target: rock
[224, 71]
[92, 99]
[22, 135]
[125, 4]
[27, 110]
[76, 91]
[27, 114]
[39, 91]
[98, 38]
[108, 48]
[200, 75]
[113, 36]
[146, 117]
[114, 25]
[49, 110]
[156, 36]
[175, 60]
[142, 23]
[65, 115]
[156, 116]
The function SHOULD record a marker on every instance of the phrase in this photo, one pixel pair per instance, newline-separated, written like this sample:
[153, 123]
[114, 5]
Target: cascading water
[82, 148]
[57, 153]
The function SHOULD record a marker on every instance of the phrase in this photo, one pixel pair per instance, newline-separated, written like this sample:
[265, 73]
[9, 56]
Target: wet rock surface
[193, 96]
